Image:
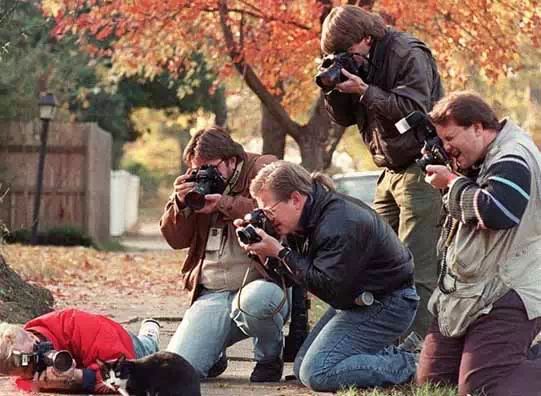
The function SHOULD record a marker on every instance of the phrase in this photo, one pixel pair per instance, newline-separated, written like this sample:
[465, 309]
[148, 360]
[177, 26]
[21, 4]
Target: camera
[330, 71]
[44, 355]
[255, 219]
[433, 151]
[208, 180]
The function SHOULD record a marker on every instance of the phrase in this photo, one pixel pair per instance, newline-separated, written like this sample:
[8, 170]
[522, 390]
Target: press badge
[214, 240]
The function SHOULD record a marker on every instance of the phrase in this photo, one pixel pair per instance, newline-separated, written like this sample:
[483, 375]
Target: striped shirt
[499, 202]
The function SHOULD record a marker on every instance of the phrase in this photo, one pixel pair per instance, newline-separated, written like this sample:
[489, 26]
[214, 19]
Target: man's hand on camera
[239, 223]
[267, 247]
[53, 379]
[439, 176]
[181, 187]
[211, 203]
[353, 85]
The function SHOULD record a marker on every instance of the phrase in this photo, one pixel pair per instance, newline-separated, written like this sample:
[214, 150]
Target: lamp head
[47, 106]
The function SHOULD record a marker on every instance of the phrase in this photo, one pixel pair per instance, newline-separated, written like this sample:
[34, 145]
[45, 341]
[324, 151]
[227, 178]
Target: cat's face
[115, 373]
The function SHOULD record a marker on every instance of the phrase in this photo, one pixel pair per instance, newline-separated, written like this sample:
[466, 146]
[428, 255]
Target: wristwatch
[282, 254]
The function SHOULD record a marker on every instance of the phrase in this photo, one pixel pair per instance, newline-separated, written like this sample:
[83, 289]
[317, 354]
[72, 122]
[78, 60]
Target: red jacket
[87, 336]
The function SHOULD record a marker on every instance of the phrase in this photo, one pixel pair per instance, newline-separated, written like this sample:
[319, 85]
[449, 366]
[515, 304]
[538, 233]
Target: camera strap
[234, 178]
[285, 299]
[451, 227]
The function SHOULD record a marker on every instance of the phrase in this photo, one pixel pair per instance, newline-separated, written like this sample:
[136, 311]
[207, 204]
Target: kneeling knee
[312, 380]
[258, 299]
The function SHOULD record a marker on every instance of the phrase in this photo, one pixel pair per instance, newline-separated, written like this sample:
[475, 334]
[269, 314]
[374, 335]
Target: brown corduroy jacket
[191, 231]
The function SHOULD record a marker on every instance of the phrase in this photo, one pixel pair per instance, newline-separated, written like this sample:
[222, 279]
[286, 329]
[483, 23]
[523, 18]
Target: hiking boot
[412, 343]
[151, 329]
[268, 371]
[219, 367]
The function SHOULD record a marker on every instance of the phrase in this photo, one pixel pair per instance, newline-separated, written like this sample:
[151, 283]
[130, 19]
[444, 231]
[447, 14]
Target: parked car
[360, 185]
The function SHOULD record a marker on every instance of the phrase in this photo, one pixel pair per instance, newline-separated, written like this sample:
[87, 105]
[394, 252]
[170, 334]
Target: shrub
[57, 236]
[150, 180]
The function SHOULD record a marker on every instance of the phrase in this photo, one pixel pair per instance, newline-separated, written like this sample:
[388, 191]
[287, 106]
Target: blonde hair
[347, 25]
[281, 178]
[8, 336]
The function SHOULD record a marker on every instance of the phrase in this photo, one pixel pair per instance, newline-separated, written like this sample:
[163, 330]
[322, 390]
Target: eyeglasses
[270, 210]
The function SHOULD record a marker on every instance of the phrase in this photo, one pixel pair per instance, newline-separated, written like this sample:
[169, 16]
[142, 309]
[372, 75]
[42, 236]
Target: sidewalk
[235, 380]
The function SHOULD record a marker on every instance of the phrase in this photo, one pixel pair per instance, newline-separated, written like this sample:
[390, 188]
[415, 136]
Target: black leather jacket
[346, 248]
[402, 77]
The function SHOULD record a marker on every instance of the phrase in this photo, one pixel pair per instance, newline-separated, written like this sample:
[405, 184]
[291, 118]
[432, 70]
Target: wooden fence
[76, 180]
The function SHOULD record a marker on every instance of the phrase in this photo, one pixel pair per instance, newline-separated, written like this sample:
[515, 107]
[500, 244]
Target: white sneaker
[150, 328]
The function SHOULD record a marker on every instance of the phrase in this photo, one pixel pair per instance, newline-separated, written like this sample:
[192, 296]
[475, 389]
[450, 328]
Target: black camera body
[255, 219]
[44, 355]
[434, 154]
[330, 71]
[208, 180]
[433, 151]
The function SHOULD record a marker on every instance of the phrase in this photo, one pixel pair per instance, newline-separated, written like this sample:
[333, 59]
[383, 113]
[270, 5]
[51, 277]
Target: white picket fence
[124, 201]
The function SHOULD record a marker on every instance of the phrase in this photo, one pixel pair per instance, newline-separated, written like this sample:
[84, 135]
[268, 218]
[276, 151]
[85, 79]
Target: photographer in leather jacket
[216, 267]
[396, 75]
[345, 254]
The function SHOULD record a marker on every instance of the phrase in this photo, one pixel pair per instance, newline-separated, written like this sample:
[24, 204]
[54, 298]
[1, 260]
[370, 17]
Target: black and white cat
[160, 374]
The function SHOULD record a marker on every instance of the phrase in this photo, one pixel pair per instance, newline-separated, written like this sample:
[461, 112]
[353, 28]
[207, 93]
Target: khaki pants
[412, 208]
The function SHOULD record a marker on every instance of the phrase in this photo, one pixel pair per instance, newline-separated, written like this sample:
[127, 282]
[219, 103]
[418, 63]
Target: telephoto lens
[60, 360]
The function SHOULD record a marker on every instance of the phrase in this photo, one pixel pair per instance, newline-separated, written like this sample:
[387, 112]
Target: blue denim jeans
[144, 345]
[214, 322]
[353, 347]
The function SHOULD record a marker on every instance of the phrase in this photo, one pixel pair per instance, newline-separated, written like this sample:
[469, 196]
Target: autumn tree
[273, 45]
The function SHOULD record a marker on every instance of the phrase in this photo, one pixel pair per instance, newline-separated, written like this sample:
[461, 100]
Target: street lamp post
[47, 110]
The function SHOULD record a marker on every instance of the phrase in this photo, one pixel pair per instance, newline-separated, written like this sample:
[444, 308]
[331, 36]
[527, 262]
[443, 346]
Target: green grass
[112, 245]
[404, 390]
[317, 309]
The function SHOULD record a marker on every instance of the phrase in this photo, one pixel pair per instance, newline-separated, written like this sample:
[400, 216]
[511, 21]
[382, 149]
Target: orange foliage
[482, 33]
[279, 39]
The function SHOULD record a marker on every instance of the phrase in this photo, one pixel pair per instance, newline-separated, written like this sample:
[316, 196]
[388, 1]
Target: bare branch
[9, 11]
[252, 80]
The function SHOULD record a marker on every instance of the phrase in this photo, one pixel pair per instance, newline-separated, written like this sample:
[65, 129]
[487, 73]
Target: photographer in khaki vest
[488, 301]
[199, 215]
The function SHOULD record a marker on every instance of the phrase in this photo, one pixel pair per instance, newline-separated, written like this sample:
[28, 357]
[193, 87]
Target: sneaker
[150, 328]
[219, 367]
[412, 343]
[268, 371]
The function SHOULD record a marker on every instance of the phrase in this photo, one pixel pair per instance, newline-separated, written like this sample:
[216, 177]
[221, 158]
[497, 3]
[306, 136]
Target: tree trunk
[220, 111]
[183, 137]
[310, 147]
[19, 300]
[274, 136]
[317, 139]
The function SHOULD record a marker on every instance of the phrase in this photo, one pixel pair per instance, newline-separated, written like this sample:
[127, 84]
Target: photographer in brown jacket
[199, 215]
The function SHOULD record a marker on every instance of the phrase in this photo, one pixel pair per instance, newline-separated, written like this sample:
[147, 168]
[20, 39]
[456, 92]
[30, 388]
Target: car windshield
[362, 188]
